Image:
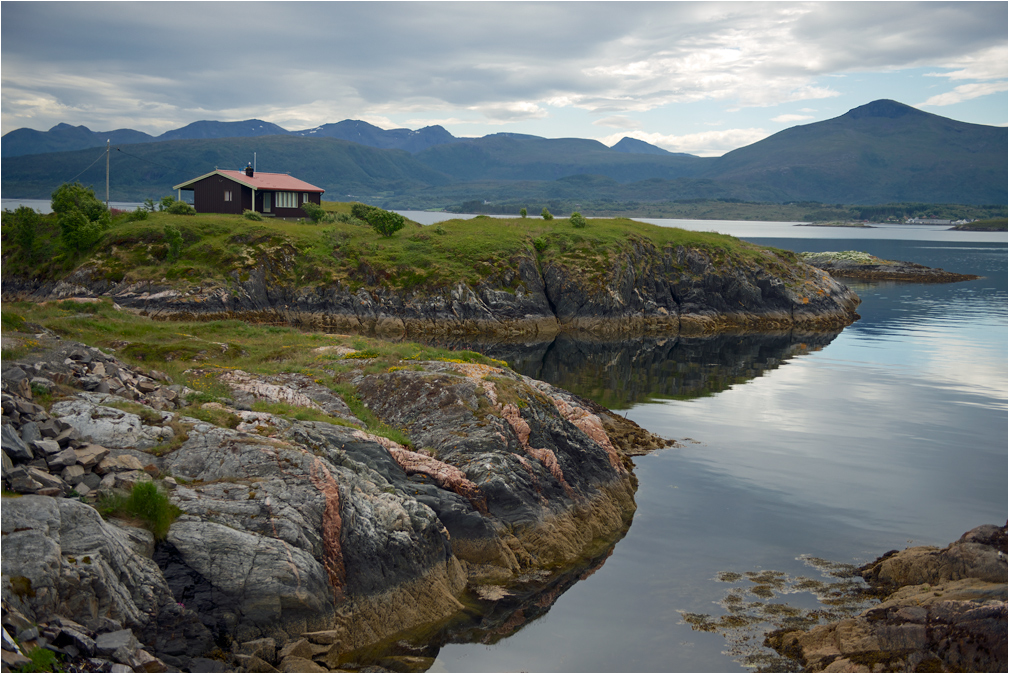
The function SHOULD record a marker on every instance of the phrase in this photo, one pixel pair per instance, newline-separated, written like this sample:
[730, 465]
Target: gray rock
[30, 432]
[47, 480]
[8, 465]
[14, 446]
[108, 426]
[62, 459]
[49, 428]
[21, 482]
[73, 475]
[46, 446]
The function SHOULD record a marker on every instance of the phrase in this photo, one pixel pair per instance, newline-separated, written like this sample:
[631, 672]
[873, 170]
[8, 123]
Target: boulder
[108, 426]
[14, 446]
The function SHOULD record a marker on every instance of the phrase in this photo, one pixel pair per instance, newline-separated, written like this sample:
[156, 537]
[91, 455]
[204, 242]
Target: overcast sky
[702, 77]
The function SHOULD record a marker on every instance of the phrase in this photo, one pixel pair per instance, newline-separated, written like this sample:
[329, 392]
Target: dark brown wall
[208, 195]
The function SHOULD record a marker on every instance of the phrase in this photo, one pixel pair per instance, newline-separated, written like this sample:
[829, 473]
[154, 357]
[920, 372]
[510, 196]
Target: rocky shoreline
[646, 291]
[863, 266]
[299, 543]
[942, 610]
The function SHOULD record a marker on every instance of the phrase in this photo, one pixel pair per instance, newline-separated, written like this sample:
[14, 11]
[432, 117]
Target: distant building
[276, 194]
[928, 221]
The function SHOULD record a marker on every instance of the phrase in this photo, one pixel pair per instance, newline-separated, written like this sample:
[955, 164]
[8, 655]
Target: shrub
[166, 202]
[174, 238]
[315, 212]
[545, 214]
[523, 212]
[82, 218]
[382, 221]
[251, 215]
[140, 214]
[26, 224]
[181, 208]
[578, 220]
[149, 205]
[540, 244]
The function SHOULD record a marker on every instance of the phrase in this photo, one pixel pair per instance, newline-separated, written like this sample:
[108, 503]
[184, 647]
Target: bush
[166, 202]
[26, 224]
[545, 214]
[251, 215]
[140, 214]
[540, 244]
[523, 212]
[181, 208]
[174, 238]
[578, 220]
[384, 222]
[315, 212]
[82, 218]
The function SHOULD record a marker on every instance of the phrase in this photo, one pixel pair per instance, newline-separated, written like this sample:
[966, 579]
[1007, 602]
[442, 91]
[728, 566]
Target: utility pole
[108, 148]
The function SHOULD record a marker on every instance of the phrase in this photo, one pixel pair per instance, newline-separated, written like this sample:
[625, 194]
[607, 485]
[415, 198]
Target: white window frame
[227, 195]
[286, 200]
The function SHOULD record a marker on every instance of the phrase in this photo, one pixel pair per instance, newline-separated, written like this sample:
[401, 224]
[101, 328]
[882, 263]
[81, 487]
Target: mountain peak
[882, 108]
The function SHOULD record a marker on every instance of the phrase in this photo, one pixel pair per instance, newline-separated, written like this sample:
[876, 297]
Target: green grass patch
[42, 660]
[298, 413]
[145, 503]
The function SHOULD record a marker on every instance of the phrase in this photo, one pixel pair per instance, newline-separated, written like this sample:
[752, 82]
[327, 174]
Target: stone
[92, 480]
[21, 482]
[47, 480]
[123, 462]
[13, 661]
[108, 643]
[98, 369]
[82, 489]
[252, 663]
[293, 663]
[107, 426]
[49, 428]
[66, 436]
[30, 432]
[300, 648]
[14, 446]
[142, 661]
[73, 475]
[26, 407]
[265, 648]
[7, 464]
[45, 447]
[62, 459]
[90, 455]
[76, 638]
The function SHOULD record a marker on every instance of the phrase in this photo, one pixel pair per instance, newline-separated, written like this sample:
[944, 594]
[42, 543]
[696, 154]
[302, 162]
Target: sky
[697, 77]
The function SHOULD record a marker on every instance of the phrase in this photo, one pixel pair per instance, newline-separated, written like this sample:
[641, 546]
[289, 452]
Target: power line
[170, 168]
[92, 164]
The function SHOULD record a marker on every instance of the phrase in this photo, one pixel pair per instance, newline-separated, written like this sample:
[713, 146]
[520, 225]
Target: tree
[386, 223]
[545, 214]
[523, 212]
[166, 202]
[578, 220]
[174, 238]
[81, 216]
[26, 224]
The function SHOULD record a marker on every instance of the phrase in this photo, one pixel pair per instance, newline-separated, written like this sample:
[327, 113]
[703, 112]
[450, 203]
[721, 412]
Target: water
[891, 433]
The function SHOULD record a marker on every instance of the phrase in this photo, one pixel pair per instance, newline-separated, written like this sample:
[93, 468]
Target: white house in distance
[276, 194]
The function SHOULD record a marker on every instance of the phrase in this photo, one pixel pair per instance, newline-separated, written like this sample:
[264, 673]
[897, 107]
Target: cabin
[270, 194]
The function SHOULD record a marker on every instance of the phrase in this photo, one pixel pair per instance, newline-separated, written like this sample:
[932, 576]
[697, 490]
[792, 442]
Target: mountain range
[881, 152]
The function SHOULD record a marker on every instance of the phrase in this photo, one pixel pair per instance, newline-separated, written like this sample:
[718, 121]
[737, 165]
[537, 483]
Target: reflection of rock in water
[620, 374]
[492, 613]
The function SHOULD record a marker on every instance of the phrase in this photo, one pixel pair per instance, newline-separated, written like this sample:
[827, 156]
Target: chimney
[248, 170]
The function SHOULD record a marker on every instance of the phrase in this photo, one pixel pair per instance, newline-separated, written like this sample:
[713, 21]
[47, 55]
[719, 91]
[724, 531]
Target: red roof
[260, 181]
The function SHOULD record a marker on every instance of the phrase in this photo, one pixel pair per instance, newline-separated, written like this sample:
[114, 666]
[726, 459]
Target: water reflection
[621, 374]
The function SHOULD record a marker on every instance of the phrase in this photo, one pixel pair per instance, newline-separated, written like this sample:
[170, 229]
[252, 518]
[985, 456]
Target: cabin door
[267, 201]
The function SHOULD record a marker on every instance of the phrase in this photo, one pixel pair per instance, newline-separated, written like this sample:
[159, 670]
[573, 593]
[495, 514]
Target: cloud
[702, 144]
[784, 119]
[618, 122]
[137, 64]
[965, 92]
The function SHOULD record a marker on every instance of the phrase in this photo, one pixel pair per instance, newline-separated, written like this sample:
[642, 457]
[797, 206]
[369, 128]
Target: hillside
[151, 169]
[879, 152]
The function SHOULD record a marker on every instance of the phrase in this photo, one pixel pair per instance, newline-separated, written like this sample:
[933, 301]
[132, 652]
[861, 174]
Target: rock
[90, 455]
[48, 481]
[108, 643]
[30, 432]
[13, 661]
[293, 663]
[107, 426]
[72, 475]
[252, 663]
[300, 649]
[142, 661]
[953, 622]
[119, 463]
[64, 458]
[262, 648]
[46, 447]
[13, 445]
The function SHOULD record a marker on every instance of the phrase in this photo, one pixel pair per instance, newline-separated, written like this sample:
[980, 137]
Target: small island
[859, 265]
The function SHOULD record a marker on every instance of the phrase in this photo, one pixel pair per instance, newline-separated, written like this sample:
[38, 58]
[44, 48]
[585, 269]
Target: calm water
[893, 432]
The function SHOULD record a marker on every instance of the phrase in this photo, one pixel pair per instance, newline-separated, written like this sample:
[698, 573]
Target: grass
[42, 660]
[146, 503]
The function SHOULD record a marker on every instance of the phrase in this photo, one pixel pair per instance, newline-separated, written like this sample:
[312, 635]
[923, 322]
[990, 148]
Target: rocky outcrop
[855, 265]
[317, 538]
[644, 290]
[943, 610]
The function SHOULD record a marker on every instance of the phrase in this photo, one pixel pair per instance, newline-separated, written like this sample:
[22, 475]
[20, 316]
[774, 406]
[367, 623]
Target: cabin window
[287, 199]
[227, 195]
[304, 197]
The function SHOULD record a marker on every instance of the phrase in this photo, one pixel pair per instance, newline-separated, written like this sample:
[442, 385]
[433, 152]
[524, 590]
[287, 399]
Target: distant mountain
[347, 171]
[513, 156]
[364, 133]
[635, 146]
[881, 152]
[250, 128]
[64, 137]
